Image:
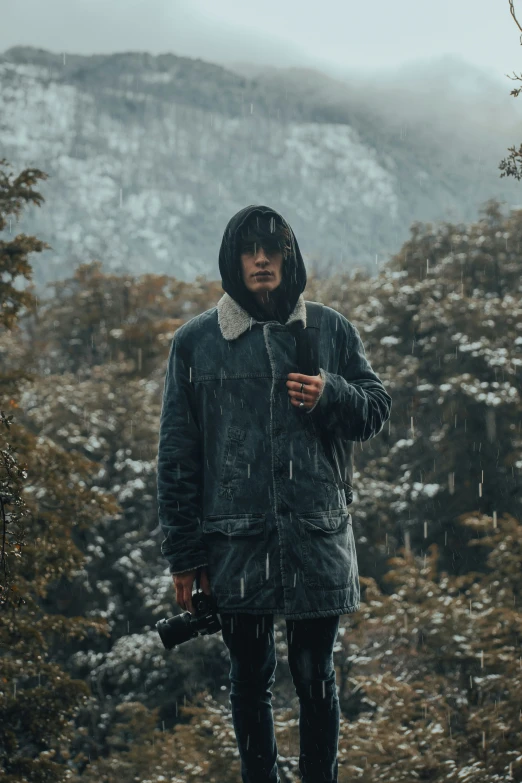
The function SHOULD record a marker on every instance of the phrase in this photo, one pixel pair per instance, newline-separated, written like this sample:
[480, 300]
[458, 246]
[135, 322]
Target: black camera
[185, 626]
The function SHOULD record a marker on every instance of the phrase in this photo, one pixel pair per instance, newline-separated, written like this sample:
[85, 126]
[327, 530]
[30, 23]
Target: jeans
[250, 641]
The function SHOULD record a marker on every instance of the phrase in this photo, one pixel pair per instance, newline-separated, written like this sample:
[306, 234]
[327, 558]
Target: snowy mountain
[149, 156]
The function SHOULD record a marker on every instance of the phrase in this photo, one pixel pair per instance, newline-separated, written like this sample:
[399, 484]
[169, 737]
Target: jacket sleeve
[354, 404]
[179, 468]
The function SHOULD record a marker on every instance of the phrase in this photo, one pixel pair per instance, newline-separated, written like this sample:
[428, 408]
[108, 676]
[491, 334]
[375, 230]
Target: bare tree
[512, 165]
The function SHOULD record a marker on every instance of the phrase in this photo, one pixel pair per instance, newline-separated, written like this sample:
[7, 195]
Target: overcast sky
[334, 34]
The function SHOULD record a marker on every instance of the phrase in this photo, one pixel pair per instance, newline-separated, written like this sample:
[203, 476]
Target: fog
[343, 37]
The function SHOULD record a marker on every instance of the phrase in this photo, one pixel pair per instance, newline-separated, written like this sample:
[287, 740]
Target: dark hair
[265, 231]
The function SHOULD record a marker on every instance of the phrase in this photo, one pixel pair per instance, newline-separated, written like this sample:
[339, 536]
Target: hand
[183, 584]
[313, 385]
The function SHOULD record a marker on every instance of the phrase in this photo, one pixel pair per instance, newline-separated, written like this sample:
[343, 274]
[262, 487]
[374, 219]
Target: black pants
[250, 641]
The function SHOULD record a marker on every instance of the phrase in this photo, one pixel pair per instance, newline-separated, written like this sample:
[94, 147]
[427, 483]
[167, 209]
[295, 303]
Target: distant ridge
[149, 156]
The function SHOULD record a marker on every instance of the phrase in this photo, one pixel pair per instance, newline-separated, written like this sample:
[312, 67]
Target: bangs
[264, 231]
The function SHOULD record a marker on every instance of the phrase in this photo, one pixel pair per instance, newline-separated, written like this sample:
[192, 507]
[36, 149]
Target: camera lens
[174, 630]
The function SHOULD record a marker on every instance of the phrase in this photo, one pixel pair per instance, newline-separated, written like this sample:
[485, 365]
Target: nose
[261, 255]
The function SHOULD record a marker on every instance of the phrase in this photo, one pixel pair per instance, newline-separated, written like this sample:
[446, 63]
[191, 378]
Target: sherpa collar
[234, 320]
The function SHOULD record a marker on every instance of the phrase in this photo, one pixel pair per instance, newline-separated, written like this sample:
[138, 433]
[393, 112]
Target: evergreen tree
[44, 496]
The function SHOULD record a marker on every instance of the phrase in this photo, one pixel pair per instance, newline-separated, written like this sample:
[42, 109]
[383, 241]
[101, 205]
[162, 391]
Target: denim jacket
[245, 487]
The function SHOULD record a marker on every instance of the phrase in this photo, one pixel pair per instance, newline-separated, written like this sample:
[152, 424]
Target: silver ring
[302, 387]
[301, 404]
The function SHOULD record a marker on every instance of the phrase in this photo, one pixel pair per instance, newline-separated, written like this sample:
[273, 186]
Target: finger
[179, 594]
[205, 584]
[188, 600]
[308, 388]
[297, 404]
[300, 377]
[302, 396]
[293, 384]
[306, 392]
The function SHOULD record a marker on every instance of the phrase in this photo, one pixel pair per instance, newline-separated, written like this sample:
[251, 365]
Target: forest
[429, 671]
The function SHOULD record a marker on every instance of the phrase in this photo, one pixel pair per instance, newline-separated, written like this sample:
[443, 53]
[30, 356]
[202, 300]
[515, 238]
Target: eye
[249, 248]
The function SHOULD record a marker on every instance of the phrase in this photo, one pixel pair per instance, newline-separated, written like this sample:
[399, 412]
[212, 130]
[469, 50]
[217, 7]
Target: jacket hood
[293, 280]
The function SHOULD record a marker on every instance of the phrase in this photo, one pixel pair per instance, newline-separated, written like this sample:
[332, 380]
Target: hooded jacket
[293, 281]
[245, 486]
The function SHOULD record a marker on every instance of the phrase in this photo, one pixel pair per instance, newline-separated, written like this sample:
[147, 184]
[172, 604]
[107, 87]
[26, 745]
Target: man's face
[255, 260]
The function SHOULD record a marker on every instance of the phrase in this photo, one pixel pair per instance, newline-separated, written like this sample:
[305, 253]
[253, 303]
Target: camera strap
[307, 340]
[308, 362]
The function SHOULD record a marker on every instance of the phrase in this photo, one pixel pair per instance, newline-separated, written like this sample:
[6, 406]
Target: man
[247, 493]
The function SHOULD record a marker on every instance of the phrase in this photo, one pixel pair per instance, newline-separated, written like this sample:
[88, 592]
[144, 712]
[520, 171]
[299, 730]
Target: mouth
[262, 275]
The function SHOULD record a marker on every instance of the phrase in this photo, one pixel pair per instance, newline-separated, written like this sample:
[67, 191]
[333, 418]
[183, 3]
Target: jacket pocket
[234, 466]
[328, 471]
[328, 549]
[236, 548]
[322, 463]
